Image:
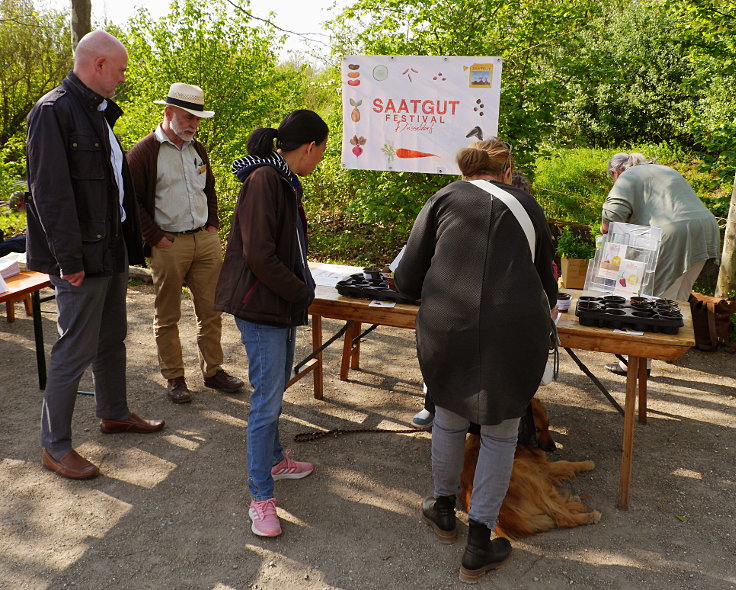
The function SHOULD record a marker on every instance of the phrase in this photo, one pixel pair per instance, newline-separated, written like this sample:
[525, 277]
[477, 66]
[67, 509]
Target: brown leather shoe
[133, 424]
[71, 465]
[177, 391]
[224, 382]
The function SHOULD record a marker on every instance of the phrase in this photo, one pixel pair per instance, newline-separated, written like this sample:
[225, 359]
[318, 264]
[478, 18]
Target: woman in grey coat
[483, 334]
[648, 194]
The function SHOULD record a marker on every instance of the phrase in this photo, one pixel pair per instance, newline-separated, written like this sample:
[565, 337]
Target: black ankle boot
[439, 513]
[482, 554]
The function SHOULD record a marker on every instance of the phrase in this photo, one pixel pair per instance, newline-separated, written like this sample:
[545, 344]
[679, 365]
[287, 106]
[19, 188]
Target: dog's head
[541, 424]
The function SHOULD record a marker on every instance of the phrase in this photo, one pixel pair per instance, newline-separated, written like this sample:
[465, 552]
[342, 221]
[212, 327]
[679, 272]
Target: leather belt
[189, 231]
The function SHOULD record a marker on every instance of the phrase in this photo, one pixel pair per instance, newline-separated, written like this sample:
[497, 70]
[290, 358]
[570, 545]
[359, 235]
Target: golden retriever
[533, 504]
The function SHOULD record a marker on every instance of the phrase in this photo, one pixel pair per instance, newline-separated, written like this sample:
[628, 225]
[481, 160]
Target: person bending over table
[266, 284]
[424, 418]
[648, 194]
[483, 331]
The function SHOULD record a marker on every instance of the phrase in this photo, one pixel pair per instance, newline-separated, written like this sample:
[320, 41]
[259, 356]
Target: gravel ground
[170, 510]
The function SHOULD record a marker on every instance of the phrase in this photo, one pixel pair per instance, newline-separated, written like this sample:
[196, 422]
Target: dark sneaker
[224, 382]
[439, 513]
[177, 391]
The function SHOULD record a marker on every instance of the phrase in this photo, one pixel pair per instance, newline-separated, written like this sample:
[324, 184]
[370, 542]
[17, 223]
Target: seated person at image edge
[178, 207]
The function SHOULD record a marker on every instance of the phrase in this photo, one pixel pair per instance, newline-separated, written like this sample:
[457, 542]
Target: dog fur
[533, 504]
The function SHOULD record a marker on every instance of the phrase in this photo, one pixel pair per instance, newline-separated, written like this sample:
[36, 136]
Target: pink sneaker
[263, 516]
[290, 469]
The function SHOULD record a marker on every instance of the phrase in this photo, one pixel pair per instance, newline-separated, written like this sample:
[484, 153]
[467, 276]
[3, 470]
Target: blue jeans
[495, 462]
[270, 351]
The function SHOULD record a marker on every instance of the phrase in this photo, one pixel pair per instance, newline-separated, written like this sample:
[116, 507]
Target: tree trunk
[727, 273]
[81, 20]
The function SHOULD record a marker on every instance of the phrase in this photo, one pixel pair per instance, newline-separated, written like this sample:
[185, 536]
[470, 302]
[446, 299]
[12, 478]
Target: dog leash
[319, 434]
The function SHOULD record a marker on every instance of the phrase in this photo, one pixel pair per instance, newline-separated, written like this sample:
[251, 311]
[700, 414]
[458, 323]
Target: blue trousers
[495, 462]
[270, 351]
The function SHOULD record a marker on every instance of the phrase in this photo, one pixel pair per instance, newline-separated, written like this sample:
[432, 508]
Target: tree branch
[275, 26]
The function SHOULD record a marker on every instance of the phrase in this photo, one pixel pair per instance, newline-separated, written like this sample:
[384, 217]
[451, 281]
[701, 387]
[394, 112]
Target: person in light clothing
[659, 196]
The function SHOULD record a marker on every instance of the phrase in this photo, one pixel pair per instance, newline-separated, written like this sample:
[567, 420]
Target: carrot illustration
[392, 152]
[404, 153]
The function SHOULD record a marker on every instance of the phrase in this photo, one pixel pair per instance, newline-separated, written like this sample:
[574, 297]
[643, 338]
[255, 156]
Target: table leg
[316, 343]
[355, 354]
[347, 348]
[628, 442]
[38, 336]
[642, 391]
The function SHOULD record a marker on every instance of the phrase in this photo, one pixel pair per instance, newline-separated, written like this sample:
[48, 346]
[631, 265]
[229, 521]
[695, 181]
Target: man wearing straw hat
[175, 189]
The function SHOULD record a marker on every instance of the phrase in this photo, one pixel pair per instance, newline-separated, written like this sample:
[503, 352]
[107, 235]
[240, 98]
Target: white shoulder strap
[515, 207]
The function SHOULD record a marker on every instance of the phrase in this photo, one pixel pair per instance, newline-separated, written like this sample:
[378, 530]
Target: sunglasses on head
[509, 147]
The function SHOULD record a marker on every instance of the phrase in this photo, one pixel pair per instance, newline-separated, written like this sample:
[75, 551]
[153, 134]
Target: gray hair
[623, 161]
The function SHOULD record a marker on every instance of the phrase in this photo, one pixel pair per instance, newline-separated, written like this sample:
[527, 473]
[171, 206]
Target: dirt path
[170, 510]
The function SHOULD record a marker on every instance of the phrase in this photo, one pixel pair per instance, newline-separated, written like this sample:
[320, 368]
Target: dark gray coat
[73, 214]
[483, 324]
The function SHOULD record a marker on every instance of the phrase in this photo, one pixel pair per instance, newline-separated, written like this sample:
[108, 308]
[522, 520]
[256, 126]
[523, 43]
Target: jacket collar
[89, 98]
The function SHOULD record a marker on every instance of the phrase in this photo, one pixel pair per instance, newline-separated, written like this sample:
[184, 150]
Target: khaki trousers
[193, 260]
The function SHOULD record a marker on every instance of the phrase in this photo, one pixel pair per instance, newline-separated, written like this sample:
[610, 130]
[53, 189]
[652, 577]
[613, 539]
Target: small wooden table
[665, 347]
[24, 283]
[329, 304]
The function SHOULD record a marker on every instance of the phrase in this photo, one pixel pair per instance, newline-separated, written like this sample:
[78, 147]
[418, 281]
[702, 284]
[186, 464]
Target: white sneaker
[423, 420]
[263, 516]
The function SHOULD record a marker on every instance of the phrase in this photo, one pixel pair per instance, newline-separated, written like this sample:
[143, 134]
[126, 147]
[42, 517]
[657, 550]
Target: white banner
[413, 113]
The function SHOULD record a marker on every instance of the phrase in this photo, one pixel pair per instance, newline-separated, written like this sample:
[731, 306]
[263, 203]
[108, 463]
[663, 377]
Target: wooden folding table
[329, 304]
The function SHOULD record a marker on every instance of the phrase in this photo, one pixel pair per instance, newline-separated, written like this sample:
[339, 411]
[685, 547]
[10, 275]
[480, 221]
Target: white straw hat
[187, 97]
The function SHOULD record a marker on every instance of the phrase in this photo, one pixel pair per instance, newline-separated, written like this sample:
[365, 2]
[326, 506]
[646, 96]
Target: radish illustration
[357, 142]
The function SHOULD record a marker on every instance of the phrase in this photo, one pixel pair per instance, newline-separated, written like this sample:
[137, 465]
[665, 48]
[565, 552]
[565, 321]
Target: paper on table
[3, 286]
[19, 257]
[328, 275]
[9, 268]
[376, 303]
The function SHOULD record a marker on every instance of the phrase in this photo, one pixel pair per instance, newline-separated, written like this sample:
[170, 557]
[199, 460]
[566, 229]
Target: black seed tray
[358, 286]
[637, 313]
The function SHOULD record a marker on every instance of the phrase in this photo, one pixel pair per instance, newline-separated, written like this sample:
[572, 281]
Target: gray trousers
[495, 462]
[92, 325]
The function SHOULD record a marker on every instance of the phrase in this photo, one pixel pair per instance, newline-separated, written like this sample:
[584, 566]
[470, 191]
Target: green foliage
[230, 59]
[572, 244]
[635, 85]
[12, 166]
[654, 76]
[35, 53]
[537, 40]
[12, 224]
[571, 185]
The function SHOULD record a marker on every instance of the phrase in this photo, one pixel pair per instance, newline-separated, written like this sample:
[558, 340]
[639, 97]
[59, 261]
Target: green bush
[571, 244]
[571, 185]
